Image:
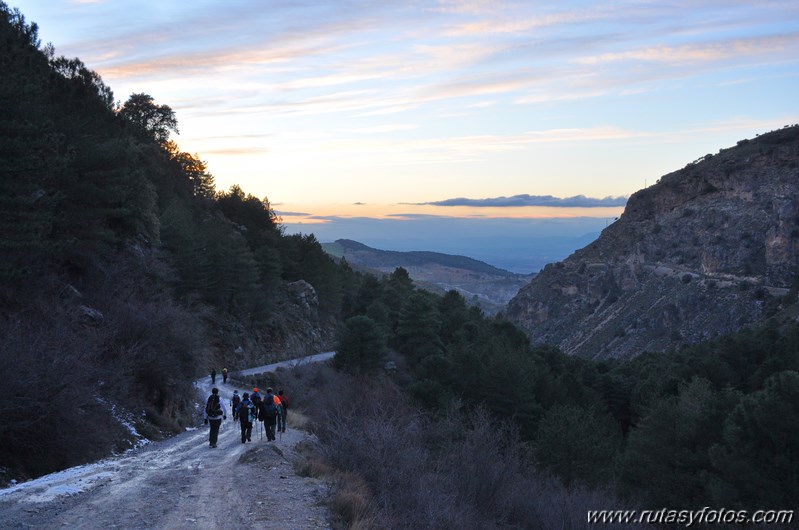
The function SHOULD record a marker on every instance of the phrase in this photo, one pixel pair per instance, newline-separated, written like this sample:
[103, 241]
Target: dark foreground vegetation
[478, 423]
[717, 423]
[394, 465]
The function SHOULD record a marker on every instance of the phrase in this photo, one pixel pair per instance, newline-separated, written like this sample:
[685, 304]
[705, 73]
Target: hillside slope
[123, 271]
[483, 285]
[708, 249]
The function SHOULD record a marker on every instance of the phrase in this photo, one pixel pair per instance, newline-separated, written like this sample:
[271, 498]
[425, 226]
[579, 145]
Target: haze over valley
[522, 246]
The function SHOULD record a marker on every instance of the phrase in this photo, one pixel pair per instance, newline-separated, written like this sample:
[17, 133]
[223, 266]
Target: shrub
[406, 470]
[52, 417]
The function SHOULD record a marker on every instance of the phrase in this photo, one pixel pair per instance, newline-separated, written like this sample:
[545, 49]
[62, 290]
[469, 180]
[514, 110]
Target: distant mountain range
[483, 285]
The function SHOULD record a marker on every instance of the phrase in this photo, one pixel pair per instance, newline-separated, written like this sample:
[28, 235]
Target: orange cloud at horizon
[321, 213]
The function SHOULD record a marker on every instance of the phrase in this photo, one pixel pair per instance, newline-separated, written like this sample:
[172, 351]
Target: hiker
[214, 414]
[246, 414]
[255, 397]
[213, 376]
[268, 413]
[284, 407]
[224, 375]
[234, 404]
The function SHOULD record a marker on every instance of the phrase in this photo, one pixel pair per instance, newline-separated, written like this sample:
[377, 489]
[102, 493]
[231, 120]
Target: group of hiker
[271, 409]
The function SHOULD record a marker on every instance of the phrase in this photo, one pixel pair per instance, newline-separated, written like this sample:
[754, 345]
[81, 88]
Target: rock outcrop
[708, 249]
[295, 328]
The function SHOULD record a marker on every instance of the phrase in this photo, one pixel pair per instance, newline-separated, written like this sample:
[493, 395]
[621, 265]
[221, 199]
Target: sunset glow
[292, 214]
[321, 105]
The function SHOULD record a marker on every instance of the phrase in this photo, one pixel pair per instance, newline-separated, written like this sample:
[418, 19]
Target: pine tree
[418, 327]
[758, 460]
[362, 346]
[150, 122]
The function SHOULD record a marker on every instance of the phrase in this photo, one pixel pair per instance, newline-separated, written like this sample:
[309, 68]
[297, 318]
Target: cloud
[236, 151]
[578, 201]
[302, 58]
[417, 216]
[703, 52]
[465, 6]
[379, 129]
[448, 87]
[293, 214]
[525, 25]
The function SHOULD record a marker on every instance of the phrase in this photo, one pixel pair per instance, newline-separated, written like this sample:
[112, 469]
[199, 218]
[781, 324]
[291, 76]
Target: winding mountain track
[179, 483]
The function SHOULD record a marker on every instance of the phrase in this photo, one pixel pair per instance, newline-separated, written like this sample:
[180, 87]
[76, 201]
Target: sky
[415, 115]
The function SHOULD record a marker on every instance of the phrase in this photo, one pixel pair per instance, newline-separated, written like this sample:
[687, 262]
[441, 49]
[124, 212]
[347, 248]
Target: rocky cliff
[295, 328]
[708, 249]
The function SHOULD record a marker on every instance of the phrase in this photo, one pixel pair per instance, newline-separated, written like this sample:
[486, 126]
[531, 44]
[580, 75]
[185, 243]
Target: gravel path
[179, 483]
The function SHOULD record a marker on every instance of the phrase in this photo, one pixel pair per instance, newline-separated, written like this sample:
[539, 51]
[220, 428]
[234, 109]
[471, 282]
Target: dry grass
[351, 502]
[313, 467]
[363, 524]
[311, 464]
[298, 420]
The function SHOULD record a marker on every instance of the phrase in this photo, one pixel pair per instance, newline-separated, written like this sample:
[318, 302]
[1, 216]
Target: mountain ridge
[706, 250]
[416, 257]
[482, 284]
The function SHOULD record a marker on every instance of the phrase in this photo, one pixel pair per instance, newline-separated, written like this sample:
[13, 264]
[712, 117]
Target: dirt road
[180, 483]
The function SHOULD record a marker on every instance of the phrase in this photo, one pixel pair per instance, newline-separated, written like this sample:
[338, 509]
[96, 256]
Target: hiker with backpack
[256, 399]
[224, 375]
[246, 414]
[214, 414]
[270, 408]
[284, 406]
[213, 376]
[234, 404]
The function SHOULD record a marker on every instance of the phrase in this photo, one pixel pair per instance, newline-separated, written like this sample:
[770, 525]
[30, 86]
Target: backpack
[212, 406]
[269, 408]
[235, 401]
[247, 412]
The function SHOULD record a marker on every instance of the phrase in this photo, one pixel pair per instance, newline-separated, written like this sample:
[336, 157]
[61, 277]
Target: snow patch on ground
[60, 490]
[126, 419]
[62, 483]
